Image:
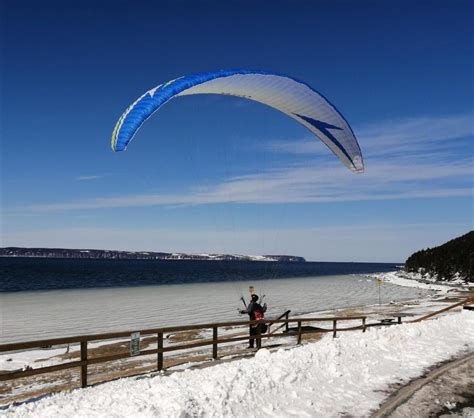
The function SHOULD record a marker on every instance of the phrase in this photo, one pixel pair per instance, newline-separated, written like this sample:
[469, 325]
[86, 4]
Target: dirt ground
[445, 390]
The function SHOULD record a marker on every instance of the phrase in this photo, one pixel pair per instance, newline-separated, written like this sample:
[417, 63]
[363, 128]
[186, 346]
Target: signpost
[135, 344]
[379, 283]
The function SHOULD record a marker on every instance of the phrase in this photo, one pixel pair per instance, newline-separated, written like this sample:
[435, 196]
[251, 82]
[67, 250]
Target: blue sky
[221, 174]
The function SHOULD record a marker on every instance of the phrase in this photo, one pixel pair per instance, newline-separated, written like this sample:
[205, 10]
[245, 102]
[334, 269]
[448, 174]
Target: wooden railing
[433, 314]
[86, 361]
[286, 325]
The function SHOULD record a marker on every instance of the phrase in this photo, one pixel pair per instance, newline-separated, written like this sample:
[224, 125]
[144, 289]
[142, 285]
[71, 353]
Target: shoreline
[67, 313]
[409, 309]
[397, 278]
[408, 279]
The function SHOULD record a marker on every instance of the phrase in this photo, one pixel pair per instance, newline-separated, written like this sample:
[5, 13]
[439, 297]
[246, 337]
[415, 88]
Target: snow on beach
[48, 314]
[420, 281]
[30, 312]
[344, 376]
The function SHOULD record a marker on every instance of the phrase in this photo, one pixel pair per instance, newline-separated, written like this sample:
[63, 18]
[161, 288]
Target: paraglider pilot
[255, 311]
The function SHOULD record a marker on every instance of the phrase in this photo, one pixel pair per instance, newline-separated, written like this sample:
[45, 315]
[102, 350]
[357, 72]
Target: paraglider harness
[256, 313]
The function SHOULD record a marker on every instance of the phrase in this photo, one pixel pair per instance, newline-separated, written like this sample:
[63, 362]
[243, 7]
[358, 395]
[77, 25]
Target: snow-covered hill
[136, 255]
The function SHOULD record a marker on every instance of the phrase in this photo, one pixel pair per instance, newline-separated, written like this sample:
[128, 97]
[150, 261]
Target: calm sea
[27, 274]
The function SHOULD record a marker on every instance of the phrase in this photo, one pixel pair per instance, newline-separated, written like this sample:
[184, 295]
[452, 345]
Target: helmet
[254, 298]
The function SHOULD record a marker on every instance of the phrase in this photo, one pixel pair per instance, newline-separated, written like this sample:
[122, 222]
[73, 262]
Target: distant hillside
[136, 255]
[456, 256]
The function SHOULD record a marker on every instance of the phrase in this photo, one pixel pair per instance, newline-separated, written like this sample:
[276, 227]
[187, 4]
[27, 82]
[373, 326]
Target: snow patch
[402, 278]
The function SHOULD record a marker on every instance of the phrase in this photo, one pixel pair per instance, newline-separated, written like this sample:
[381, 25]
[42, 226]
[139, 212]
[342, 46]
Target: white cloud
[391, 137]
[415, 169]
[325, 183]
[396, 135]
[86, 178]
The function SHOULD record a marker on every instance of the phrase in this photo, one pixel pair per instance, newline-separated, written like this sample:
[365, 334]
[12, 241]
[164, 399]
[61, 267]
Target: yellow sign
[379, 281]
[251, 289]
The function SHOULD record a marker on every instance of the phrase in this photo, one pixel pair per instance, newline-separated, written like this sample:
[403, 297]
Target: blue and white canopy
[292, 97]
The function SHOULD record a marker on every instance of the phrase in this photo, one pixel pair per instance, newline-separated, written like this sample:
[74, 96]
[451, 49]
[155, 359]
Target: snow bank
[33, 358]
[402, 278]
[329, 378]
[424, 281]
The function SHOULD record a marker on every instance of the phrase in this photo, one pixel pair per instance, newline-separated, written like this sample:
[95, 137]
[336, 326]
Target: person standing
[255, 311]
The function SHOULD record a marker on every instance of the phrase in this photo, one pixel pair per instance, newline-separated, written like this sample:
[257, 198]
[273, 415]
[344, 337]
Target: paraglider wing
[292, 97]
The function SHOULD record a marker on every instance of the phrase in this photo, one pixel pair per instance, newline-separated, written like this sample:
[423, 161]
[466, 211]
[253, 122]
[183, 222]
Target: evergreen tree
[455, 256]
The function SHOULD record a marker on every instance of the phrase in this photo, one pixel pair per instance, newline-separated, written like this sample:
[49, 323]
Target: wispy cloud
[391, 137]
[87, 178]
[301, 185]
[415, 169]
[422, 130]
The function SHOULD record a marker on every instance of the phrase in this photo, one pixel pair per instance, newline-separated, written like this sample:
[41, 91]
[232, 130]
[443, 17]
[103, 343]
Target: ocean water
[38, 314]
[23, 274]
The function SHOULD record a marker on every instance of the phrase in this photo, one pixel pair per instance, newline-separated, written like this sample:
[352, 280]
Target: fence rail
[463, 302]
[86, 361]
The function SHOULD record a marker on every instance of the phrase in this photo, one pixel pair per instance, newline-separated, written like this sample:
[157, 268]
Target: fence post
[84, 366]
[299, 332]
[399, 319]
[363, 325]
[259, 335]
[286, 323]
[214, 343]
[334, 327]
[160, 351]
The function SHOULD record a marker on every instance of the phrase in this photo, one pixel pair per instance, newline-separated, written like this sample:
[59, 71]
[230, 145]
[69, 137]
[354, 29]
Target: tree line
[455, 256]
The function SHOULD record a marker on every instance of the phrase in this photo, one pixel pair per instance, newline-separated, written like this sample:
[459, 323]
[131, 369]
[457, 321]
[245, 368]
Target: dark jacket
[254, 307]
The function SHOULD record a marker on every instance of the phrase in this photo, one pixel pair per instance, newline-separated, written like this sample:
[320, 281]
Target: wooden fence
[86, 361]
[431, 315]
